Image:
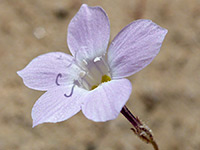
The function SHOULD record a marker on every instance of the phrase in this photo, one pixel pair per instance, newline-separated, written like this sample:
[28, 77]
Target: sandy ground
[165, 94]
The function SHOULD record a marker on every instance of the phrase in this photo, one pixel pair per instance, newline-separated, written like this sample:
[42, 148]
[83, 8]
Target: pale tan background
[165, 94]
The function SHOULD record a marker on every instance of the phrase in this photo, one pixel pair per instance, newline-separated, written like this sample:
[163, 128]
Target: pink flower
[88, 80]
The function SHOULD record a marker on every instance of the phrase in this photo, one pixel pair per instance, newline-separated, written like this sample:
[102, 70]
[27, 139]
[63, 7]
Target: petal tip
[165, 31]
[84, 5]
[19, 73]
[35, 124]
[153, 23]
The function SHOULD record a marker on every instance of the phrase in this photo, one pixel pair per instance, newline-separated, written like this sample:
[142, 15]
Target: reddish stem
[139, 128]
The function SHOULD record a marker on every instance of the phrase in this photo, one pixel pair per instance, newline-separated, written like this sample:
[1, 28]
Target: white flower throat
[93, 73]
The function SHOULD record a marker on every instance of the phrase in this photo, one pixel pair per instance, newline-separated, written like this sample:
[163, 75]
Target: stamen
[92, 72]
[105, 63]
[97, 59]
[98, 67]
[85, 61]
[72, 91]
[84, 83]
[82, 74]
[88, 84]
[58, 76]
[102, 65]
[105, 78]
[94, 87]
[80, 66]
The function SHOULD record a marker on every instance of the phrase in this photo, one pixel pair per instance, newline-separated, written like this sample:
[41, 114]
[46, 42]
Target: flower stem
[139, 128]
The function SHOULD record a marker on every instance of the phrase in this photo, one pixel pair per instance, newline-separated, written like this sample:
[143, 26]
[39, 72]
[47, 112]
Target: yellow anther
[105, 78]
[94, 86]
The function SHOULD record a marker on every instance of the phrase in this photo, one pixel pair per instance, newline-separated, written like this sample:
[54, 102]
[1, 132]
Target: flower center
[94, 72]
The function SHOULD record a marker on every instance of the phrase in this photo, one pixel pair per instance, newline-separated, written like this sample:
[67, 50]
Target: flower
[89, 80]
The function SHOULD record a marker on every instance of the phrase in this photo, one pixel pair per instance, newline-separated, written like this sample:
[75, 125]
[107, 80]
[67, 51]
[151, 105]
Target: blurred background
[165, 94]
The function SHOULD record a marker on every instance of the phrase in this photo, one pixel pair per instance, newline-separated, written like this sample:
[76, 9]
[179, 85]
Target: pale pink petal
[88, 33]
[54, 106]
[49, 70]
[106, 101]
[135, 47]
